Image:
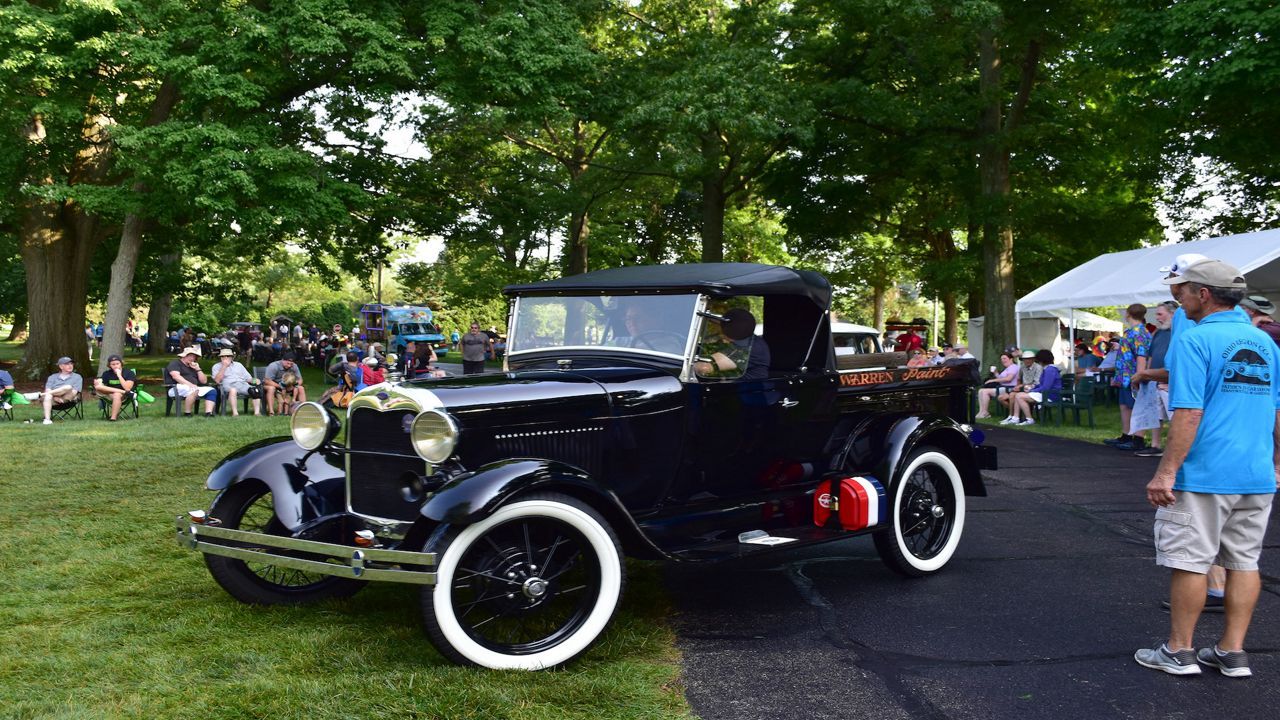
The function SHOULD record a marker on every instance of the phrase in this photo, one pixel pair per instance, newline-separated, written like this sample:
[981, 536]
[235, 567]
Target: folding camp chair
[73, 410]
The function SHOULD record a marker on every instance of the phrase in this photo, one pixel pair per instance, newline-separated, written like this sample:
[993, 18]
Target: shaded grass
[1106, 420]
[102, 615]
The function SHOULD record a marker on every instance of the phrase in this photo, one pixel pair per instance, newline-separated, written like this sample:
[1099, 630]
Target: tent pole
[1017, 328]
[1071, 352]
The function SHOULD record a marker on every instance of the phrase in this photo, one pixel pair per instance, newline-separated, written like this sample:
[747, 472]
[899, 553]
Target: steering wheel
[648, 338]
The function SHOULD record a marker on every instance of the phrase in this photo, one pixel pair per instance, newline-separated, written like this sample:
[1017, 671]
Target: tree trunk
[579, 229]
[951, 318]
[713, 201]
[56, 254]
[120, 293]
[162, 303]
[19, 330]
[712, 221]
[877, 303]
[997, 236]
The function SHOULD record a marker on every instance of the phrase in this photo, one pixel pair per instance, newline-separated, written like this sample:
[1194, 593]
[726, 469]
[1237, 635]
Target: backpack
[346, 391]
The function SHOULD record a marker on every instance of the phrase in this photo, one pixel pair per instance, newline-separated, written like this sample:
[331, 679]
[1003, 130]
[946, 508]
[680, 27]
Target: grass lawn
[1106, 420]
[102, 615]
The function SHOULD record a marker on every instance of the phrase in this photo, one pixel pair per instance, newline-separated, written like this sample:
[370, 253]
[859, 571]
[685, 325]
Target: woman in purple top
[1049, 389]
[1002, 381]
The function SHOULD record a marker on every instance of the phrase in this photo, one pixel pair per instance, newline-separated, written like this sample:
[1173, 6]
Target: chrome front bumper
[323, 558]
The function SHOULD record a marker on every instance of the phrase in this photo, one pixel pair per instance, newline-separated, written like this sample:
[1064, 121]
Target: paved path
[1038, 615]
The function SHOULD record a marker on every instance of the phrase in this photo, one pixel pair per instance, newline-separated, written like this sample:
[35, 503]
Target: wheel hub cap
[534, 588]
[937, 511]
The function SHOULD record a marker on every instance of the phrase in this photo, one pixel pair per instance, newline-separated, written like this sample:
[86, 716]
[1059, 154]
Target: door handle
[788, 402]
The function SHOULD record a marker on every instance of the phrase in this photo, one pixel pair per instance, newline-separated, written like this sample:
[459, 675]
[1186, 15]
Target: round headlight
[433, 434]
[309, 425]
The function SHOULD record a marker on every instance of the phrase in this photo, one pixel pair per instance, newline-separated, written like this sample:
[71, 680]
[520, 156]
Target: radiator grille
[378, 482]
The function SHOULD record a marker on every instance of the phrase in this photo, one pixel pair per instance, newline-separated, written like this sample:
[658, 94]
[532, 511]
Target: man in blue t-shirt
[1216, 480]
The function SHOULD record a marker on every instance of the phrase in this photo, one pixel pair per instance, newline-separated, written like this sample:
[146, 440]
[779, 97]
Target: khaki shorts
[1202, 529]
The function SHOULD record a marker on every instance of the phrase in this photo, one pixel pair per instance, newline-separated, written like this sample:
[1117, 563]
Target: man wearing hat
[1260, 311]
[233, 379]
[189, 381]
[1028, 377]
[63, 386]
[1215, 483]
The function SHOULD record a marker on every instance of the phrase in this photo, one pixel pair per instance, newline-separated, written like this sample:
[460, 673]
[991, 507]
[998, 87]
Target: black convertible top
[716, 279]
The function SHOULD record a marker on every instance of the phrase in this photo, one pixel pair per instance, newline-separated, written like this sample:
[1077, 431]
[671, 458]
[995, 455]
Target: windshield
[654, 324]
[410, 328]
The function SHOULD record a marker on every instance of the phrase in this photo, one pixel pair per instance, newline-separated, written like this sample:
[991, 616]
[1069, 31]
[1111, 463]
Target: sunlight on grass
[102, 615]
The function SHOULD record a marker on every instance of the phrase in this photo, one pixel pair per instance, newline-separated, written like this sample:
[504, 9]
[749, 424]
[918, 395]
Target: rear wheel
[248, 506]
[927, 511]
[530, 587]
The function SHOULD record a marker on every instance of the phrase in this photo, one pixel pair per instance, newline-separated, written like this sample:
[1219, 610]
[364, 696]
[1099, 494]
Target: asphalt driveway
[1038, 615]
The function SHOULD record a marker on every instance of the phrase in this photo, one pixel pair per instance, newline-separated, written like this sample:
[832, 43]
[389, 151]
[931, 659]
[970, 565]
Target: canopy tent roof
[1133, 276]
[1084, 320]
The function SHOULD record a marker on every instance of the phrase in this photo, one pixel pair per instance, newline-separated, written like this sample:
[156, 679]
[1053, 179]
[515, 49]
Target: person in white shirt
[234, 379]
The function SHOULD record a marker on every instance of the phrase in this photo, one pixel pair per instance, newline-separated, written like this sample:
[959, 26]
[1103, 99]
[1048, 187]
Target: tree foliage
[966, 150]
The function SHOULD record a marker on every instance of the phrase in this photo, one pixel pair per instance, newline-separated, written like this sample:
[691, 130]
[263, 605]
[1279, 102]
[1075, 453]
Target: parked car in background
[639, 414]
[851, 339]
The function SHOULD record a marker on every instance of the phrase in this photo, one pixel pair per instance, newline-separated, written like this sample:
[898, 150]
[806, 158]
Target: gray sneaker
[1231, 664]
[1182, 662]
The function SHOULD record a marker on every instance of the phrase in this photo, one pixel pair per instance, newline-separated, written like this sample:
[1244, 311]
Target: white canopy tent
[1043, 329]
[1133, 276]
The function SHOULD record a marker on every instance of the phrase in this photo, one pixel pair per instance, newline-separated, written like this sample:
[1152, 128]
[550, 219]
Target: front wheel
[927, 515]
[248, 506]
[530, 587]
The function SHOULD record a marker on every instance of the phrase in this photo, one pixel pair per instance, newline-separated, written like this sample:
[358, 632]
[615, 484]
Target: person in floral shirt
[1135, 348]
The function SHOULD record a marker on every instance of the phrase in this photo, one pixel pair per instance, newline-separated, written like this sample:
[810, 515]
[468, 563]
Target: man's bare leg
[1186, 601]
[1243, 587]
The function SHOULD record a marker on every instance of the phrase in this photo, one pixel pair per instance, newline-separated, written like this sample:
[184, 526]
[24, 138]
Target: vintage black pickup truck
[680, 412]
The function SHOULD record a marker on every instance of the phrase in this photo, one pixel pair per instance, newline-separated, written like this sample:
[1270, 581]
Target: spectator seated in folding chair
[234, 380]
[187, 381]
[1048, 388]
[116, 388]
[61, 396]
[284, 385]
[7, 395]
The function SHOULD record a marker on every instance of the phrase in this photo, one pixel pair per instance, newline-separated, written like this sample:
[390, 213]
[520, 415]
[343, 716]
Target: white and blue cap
[1212, 273]
[1181, 263]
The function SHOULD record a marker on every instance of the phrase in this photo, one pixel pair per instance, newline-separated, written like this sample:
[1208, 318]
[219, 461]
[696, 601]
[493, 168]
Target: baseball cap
[64, 360]
[1259, 303]
[1182, 262]
[1213, 273]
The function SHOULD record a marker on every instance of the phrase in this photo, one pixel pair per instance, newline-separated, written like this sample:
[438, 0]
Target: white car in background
[851, 339]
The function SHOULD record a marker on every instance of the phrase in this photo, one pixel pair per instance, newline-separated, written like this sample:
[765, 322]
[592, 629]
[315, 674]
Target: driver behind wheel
[645, 330]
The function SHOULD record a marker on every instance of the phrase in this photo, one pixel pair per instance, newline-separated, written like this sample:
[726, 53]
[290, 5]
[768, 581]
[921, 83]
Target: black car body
[640, 412]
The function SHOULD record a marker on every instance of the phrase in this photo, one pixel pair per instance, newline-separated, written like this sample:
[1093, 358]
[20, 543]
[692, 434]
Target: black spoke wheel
[248, 506]
[927, 515]
[530, 587]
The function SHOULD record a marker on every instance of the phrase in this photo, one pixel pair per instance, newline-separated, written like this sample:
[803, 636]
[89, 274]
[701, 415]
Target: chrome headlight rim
[311, 426]
[435, 448]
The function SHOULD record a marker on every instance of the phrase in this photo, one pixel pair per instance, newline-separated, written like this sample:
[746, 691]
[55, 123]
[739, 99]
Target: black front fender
[472, 496]
[299, 492]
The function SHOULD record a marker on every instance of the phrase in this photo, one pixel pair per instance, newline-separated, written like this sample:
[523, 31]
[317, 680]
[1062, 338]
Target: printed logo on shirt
[1246, 372]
